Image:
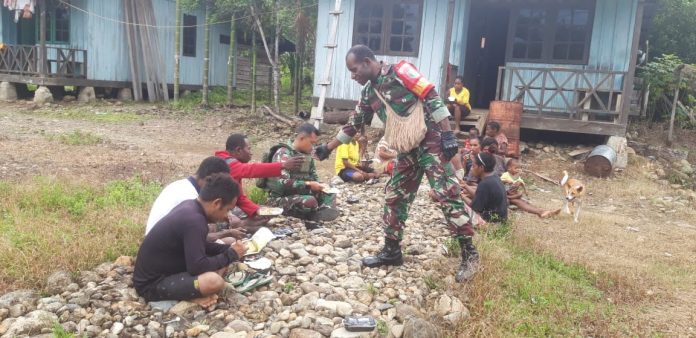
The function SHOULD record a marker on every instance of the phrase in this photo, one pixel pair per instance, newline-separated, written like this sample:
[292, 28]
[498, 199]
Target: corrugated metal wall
[429, 59]
[107, 48]
[609, 50]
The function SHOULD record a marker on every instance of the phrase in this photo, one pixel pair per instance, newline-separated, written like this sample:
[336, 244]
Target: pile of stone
[318, 282]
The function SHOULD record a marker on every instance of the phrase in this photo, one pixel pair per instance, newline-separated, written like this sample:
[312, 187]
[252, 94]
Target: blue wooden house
[85, 45]
[570, 62]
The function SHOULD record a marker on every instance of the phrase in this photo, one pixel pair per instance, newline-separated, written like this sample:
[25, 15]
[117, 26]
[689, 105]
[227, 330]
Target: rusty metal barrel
[509, 115]
[600, 162]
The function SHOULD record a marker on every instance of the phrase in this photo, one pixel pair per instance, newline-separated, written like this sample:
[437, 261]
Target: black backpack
[268, 158]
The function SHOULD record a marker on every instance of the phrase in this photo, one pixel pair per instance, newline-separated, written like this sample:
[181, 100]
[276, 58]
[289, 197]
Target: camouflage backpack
[268, 158]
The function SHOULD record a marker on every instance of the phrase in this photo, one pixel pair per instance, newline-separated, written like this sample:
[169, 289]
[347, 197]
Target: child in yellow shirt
[458, 102]
[347, 163]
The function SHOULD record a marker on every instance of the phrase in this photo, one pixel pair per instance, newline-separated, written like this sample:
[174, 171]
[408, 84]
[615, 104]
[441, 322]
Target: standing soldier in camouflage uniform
[298, 192]
[401, 86]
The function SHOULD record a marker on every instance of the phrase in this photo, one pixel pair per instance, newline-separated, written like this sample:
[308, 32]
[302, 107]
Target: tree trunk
[206, 55]
[253, 71]
[276, 68]
[271, 60]
[299, 55]
[231, 67]
[177, 50]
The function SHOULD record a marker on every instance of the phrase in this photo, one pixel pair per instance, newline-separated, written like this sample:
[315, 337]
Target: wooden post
[448, 46]
[43, 60]
[231, 69]
[628, 79]
[177, 50]
[206, 55]
[670, 135]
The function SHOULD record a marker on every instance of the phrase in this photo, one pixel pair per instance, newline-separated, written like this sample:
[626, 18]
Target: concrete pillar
[87, 95]
[8, 92]
[125, 94]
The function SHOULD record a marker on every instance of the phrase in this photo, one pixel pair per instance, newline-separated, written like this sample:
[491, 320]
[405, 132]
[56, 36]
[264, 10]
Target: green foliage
[371, 289]
[382, 327]
[257, 195]
[288, 287]
[452, 246]
[79, 138]
[59, 332]
[660, 75]
[673, 30]
[432, 282]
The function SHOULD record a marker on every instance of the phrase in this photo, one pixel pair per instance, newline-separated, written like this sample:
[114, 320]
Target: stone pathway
[318, 280]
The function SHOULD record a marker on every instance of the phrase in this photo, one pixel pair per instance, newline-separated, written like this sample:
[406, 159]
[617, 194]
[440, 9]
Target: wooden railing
[578, 94]
[59, 62]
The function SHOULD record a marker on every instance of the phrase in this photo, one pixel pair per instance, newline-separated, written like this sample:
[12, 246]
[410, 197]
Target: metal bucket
[600, 162]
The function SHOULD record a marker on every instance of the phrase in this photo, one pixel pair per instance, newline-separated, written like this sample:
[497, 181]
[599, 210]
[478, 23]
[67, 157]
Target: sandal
[256, 281]
[237, 278]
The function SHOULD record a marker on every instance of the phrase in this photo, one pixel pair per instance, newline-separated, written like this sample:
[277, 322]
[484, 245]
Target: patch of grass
[520, 292]
[79, 138]
[432, 282]
[382, 327]
[49, 225]
[452, 246]
[98, 114]
[371, 289]
[59, 332]
[288, 287]
[218, 96]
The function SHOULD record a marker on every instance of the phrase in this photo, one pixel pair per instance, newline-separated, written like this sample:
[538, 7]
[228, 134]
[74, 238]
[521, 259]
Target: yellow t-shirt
[462, 98]
[351, 151]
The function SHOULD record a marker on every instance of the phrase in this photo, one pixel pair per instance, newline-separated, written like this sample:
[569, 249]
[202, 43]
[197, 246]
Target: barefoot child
[514, 185]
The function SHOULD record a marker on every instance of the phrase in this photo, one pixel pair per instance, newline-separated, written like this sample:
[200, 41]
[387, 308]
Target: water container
[600, 162]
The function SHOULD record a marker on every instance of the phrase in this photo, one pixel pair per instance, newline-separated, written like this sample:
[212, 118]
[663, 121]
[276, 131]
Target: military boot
[470, 260]
[390, 255]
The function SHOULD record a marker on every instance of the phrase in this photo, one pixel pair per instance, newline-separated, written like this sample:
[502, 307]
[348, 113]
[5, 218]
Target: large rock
[397, 331]
[343, 333]
[18, 296]
[335, 307]
[124, 261]
[58, 282]
[240, 326]
[31, 324]
[304, 333]
[87, 95]
[183, 307]
[125, 94]
[8, 92]
[444, 305]
[404, 312]
[419, 328]
[229, 335]
[43, 95]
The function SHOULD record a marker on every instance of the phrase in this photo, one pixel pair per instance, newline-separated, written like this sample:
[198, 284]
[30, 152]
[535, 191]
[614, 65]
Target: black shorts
[181, 286]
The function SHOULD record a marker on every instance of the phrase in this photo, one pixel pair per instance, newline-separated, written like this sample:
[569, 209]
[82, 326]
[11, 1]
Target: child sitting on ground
[348, 166]
[515, 188]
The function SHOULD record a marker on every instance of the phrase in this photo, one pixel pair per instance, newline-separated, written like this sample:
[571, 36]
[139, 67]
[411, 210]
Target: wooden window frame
[51, 18]
[550, 28]
[387, 20]
[193, 32]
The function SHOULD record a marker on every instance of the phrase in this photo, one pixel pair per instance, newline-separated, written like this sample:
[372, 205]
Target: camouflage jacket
[292, 183]
[398, 96]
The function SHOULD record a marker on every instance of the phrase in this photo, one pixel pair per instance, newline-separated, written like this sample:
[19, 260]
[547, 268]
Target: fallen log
[337, 116]
[542, 177]
[279, 117]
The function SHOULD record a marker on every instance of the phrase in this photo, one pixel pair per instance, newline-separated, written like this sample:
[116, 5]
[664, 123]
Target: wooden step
[477, 119]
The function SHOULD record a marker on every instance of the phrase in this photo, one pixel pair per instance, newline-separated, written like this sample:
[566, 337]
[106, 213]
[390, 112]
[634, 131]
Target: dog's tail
[564, 180]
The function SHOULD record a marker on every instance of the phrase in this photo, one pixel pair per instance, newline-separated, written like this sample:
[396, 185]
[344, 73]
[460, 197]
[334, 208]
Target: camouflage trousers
[303, 206]
[402, 188]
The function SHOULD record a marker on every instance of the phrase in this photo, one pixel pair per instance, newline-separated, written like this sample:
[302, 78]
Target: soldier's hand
[239, 248]
[315, 186]
[322, 152]
[293, 163]
[450, 146]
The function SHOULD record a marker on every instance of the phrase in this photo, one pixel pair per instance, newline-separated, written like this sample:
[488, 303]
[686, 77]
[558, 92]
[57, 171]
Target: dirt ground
[638, 234]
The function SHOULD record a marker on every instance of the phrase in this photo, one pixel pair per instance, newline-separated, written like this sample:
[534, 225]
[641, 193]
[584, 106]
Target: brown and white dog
[573, 190]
